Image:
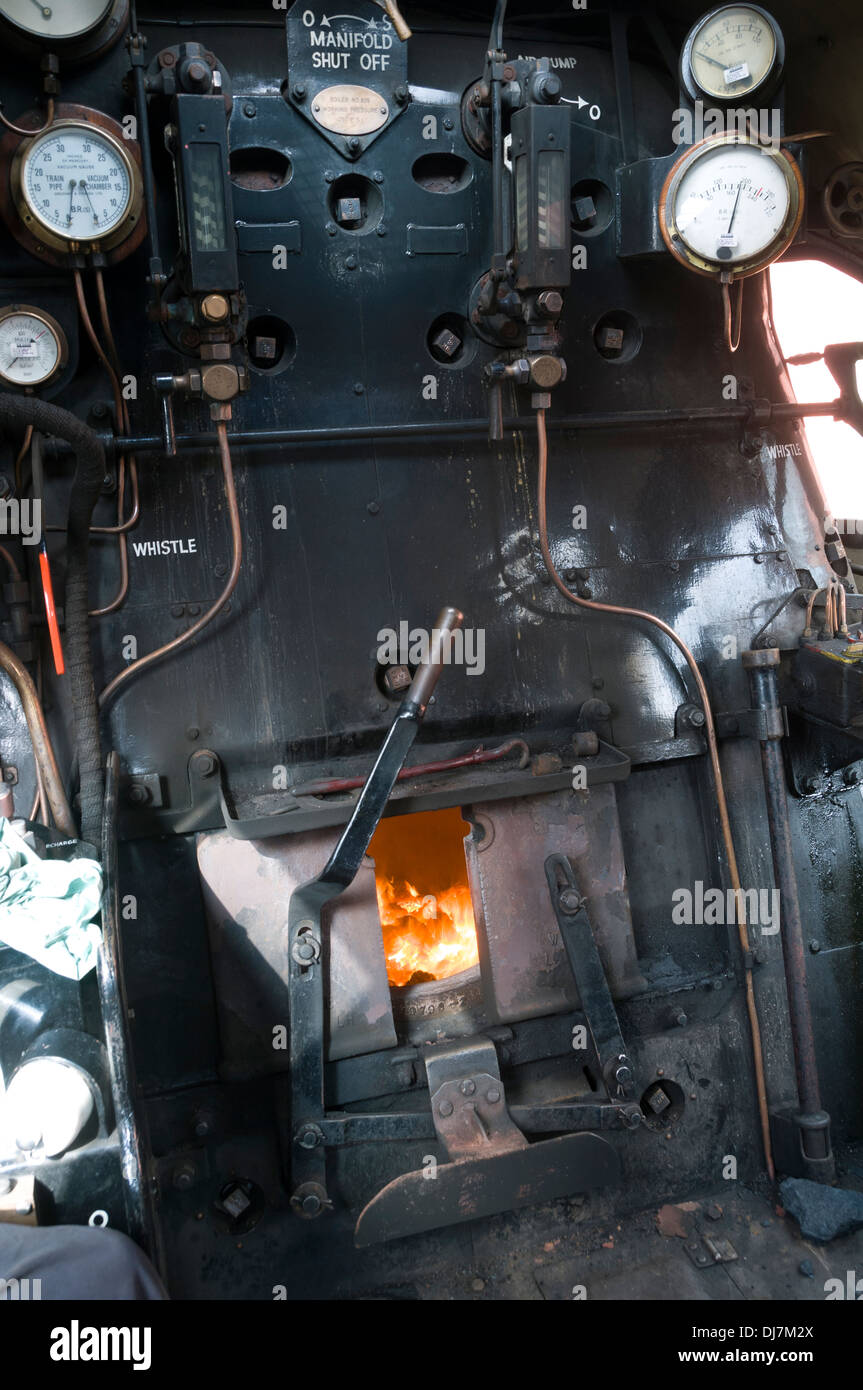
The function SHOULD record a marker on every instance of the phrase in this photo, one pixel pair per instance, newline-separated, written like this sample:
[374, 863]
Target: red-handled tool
[50, 610]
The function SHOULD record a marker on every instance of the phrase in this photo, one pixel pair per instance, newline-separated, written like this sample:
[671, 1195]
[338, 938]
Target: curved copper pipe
[40, 130]
[40, 738]
[713, 752]
[143, 662]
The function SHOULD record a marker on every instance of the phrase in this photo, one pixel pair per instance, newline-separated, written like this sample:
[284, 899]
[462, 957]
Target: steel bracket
[492, 1165]
[759, 724]
[617, 1070]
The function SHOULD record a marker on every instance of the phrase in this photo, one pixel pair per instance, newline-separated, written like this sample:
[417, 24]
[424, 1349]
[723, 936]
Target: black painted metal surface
[704, 526]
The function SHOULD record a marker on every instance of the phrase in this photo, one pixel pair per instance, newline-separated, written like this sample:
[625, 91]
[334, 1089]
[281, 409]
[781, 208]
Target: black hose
[16, 413]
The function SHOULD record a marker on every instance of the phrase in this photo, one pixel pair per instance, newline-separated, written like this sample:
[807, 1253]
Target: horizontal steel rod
[633, 419]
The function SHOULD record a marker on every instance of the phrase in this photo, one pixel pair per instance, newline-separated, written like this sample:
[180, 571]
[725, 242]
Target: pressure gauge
[77, 186]
[33, 347]
[731, 206]
[61, 19]
[76, 29]
[731, 53]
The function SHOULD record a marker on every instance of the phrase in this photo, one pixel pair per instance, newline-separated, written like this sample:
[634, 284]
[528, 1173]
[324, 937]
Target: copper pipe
[713, 752]
[124, 421]
[326, 786]
[40, 130]
[40, 805]
[121, 420]
[397, 19]
[10, 561]
[40, 738]
[237, 540]
[134, 515]
[22, 454]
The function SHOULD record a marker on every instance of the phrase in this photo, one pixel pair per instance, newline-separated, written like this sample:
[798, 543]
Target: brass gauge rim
[696, 91]
[57, 333]
[739, 270]
[46, 233]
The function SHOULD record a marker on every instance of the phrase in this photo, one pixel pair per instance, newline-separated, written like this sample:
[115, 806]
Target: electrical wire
[713, 753]
[135, 667]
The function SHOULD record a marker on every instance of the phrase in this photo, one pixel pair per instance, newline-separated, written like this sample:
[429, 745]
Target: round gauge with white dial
[731, 205]
[732, 52]
[55, 19]
[33, 347]
[78, 184]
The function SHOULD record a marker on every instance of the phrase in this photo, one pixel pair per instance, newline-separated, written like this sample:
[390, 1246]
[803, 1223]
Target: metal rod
[761, 664]
[136, 53]
[246, 439]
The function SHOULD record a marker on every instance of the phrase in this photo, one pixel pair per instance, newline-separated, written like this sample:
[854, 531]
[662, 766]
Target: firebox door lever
[570, 910]
[306, 943]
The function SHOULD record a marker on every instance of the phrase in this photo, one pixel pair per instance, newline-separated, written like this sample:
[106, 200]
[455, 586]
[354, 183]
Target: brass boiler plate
[350, 110]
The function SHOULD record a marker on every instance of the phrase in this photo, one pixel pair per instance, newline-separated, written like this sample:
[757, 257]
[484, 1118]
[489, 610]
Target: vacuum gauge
[76, 186]
[33, 347]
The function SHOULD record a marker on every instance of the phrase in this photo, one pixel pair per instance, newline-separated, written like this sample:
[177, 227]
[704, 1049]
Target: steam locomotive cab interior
[432, 672]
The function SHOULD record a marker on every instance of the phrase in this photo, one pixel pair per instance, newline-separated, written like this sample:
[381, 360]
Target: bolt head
[445, 1108]
[468, 1087]
[570, 901]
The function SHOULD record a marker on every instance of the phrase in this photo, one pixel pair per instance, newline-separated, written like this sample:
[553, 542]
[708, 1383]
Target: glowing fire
[423, 896]
[429, 935]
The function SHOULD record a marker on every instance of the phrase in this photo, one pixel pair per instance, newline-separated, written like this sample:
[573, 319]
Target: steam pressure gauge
[732, 52]
[76, 28]
[77, 186]
[731, 206]
[33, 347]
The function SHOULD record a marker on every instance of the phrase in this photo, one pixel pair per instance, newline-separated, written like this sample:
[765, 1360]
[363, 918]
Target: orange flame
[429, 935]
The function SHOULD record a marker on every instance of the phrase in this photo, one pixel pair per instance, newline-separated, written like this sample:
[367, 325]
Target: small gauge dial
[55, 19]
[732, 52]
[78, 183]
[33, 348]
[731, 205]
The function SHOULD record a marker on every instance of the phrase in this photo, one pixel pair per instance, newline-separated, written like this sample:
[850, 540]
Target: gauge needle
[707, 58]
[89, 200]
[43, 9]
[71, 196]
[734, 209]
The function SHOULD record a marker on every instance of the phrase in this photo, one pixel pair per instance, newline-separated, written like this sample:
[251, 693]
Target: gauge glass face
[732, 52]
[29, 349]
[731, 203]
[76, 182]
[57, 19]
